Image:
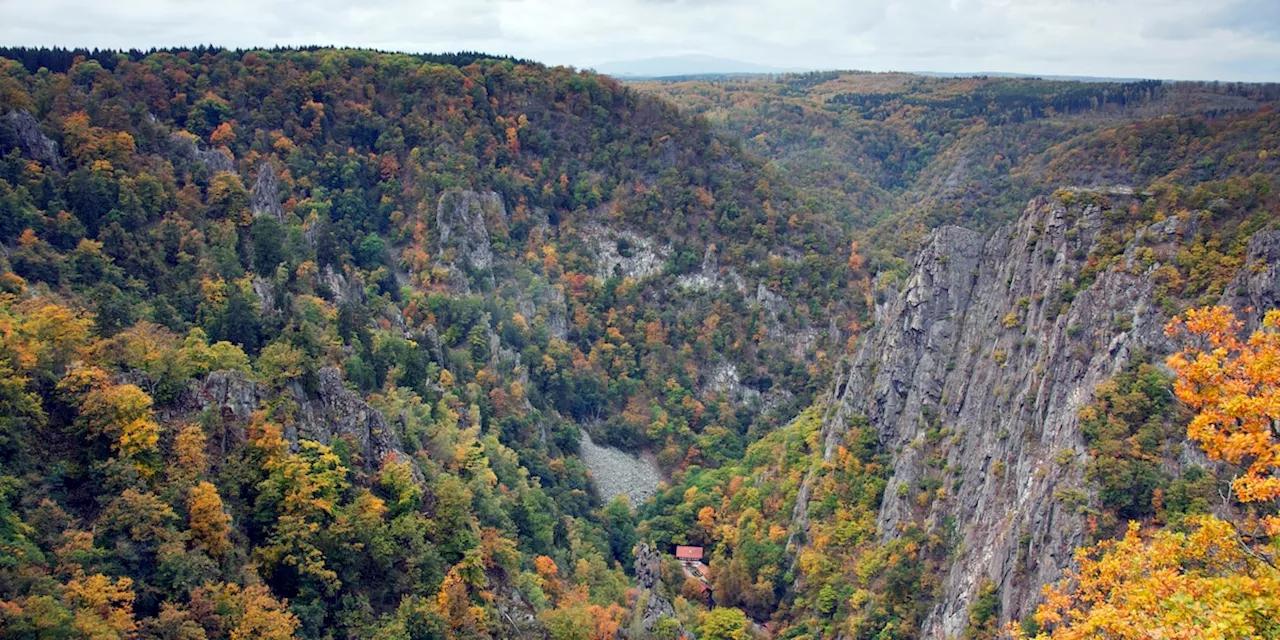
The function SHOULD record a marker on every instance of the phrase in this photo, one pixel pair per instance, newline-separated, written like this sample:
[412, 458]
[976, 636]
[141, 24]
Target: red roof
[689, 553]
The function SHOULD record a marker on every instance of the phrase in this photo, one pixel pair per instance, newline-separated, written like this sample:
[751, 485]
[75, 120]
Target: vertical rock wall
[975, 375]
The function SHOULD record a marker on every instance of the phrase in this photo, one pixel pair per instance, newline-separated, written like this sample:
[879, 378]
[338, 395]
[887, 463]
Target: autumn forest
[315, 343]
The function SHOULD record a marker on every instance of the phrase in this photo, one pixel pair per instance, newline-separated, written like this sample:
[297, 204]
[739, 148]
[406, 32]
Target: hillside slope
[1003, 411]
[895, 155]
[302, 341]
[1008, 405]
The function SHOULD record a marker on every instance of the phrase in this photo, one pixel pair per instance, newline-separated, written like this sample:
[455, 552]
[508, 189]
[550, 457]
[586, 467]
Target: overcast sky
[1200, 39]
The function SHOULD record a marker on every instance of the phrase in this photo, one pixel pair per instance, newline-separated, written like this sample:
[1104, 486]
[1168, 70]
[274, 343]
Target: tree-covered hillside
[838, 525]
[300, 341]
[893, 156]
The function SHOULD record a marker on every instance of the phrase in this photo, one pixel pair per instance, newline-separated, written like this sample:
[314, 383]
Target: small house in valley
[691, 564]
[688, 555]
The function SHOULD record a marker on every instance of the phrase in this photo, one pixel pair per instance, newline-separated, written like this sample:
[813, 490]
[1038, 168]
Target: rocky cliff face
[464, 235]
[186, 149]
[622, 252]
[654, 605]
[335, 411]
[331, 411]
[976, 373]
[265, 198]
[1256, 288]
[34, 144]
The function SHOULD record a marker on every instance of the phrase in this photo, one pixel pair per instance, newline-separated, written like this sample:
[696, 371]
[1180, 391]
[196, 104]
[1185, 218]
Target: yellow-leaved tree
[103, 606]
[1234, 386]
[210, 526]
[1202, 585]
[1210, 582]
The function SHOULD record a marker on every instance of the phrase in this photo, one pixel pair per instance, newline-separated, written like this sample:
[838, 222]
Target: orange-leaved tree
[1205, 584]
[1208, 582]
[1233, 384]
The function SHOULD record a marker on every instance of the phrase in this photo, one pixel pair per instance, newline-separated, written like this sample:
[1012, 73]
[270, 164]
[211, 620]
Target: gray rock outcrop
[545, 301]
[708, 277]
[723, 378]
[648, 566]
[649, 578]
[621, 252]
[265, 291]
[265, 198]
[343, 289]
[976, 372]
[460, 221]
[1257, 287]
[185, 148]
[33, 143]
[338, 412]
[332, 411]
[231, 393]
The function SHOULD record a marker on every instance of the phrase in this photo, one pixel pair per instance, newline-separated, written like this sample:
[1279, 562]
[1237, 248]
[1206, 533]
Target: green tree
[238, 321]
[372, 252]
[268, 244]
[620, 523]
[280, 363]
[207, 113]
[722, 623]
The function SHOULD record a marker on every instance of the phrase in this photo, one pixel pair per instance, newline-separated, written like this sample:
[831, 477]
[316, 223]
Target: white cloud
[1226, 39]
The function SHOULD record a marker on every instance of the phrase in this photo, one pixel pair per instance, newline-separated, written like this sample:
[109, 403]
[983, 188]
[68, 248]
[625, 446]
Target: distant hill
[1004, 74]
[686, 65]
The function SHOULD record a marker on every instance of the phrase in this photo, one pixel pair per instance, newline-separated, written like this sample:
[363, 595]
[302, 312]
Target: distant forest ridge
[814, 78]
[60, 59]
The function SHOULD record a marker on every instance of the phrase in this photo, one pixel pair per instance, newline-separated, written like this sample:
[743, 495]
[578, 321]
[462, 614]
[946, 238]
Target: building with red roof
[689, 554]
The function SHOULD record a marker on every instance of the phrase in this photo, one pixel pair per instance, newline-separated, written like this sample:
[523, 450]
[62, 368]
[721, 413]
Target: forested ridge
[797, 525]
[193, 236]
[893, 155]
[300, 342]
[61, 59]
